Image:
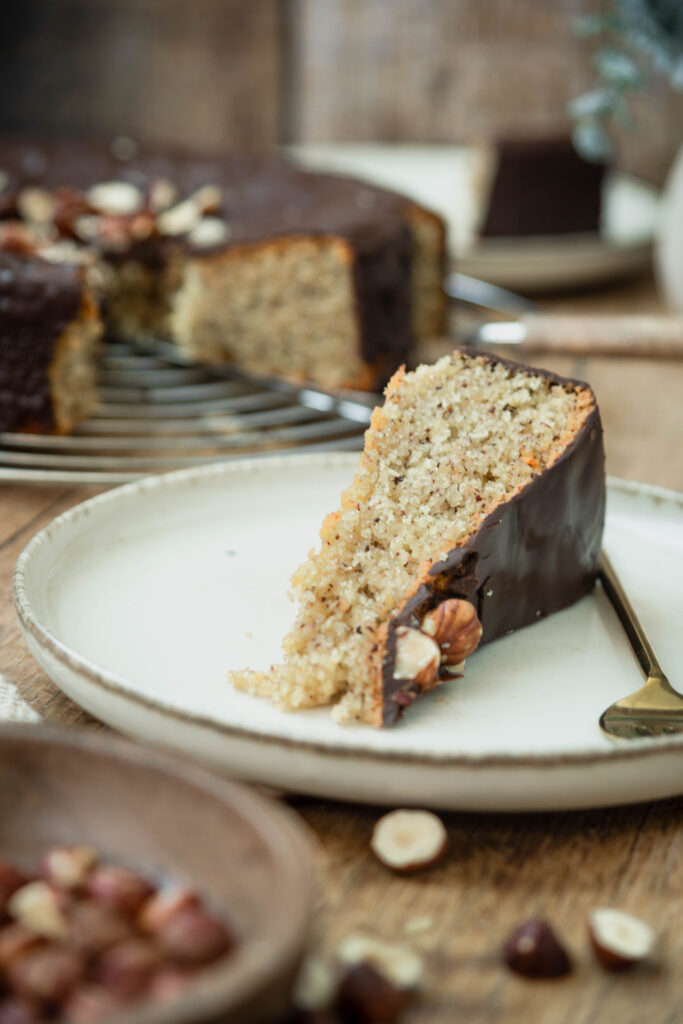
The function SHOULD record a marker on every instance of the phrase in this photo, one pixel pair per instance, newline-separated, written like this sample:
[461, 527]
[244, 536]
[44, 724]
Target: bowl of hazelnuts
[138, 889]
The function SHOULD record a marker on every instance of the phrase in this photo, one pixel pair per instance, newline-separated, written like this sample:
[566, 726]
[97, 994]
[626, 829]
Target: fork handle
[642, 648]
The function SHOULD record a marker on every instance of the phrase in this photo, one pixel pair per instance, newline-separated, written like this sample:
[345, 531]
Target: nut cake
[237, 259]
[477, 508]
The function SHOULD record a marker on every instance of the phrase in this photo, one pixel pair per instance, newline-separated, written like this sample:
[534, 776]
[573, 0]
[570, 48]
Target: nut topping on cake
[417, 657]
[208, 231]
[185, 216]
[115, 198]
[455, 628]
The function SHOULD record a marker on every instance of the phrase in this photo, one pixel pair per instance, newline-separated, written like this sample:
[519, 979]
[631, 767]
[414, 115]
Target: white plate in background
[444, 178]
[138, 601]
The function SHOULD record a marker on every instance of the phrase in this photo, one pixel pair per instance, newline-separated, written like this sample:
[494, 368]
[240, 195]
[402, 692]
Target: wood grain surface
[500, 869]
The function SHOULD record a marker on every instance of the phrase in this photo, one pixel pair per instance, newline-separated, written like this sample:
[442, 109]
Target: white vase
[669, 245]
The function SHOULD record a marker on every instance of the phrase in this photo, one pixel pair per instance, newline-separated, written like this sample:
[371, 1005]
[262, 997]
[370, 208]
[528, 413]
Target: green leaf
[596, 103]
[592, 141]
[618, 68]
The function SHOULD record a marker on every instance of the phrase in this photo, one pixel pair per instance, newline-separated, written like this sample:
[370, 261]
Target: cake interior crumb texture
[452, 442]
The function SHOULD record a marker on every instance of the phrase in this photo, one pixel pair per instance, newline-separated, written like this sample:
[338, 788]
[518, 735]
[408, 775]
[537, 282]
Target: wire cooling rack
[157, 411]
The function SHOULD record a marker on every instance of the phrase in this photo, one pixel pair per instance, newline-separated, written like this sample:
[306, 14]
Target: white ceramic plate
[444, 178]
[138, 601]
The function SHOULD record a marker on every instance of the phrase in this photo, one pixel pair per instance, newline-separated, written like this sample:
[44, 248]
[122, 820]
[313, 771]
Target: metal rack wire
[157, 412]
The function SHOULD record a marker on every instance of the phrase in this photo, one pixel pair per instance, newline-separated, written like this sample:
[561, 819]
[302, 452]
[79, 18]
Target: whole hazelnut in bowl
[142, 890]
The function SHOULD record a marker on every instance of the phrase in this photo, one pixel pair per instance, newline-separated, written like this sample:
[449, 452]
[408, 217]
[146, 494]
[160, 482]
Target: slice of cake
[541, 186]
[49, 330]
[477, 508]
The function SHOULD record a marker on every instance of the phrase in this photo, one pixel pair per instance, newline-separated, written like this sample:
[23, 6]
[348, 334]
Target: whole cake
[477, 508]
[237, 259]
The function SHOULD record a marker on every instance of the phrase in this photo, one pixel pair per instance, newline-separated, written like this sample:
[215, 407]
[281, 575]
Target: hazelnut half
[534, 950]
[619, 940]
[400, 964]
[417, 657]
[408, 840]
[67, 867]
[39, 908]
[455, 628]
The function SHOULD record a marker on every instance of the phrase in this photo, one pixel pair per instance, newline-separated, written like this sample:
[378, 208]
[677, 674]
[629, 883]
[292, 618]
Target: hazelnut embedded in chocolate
[455, 627]
[417, 657]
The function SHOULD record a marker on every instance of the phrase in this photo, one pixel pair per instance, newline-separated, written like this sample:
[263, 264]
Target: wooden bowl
[247, 855]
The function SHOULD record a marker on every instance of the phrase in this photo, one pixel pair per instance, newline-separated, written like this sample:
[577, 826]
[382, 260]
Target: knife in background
[651, 335]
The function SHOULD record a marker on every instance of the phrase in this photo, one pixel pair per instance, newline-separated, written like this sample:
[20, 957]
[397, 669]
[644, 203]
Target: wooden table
[500, 868]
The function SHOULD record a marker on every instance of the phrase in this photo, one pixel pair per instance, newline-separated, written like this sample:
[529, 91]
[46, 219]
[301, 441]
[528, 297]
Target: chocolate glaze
[533, 555]
[263, 199]
[543, 187]
[38, 300]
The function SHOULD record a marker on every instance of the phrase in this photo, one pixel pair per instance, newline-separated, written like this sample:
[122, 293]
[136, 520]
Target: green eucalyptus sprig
[638, 38]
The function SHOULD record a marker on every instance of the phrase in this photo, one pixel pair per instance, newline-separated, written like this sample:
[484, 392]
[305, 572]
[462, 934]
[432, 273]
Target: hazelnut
[39, 908]
[208, 198]
[162, 905]
[46, 974]
[89, 1004]
[115, 198]
[93, 927]
[186, 215]
[17, 238]
[534, 951]
[619, 940]
[409, 840]
[207, 232]
[193, 936]
[367, 996]
[15, 940]
[67, 867]
[168, 983]
[125, 969]
[456, 629]
[400, 964]
[315, 985]
[417, 657]
[37, 206]
[162, 194]
[10, 881]
[179, 219]
[118, 888]
[18, 1011]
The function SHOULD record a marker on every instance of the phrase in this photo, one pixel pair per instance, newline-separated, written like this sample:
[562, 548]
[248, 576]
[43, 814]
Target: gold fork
[656, 708]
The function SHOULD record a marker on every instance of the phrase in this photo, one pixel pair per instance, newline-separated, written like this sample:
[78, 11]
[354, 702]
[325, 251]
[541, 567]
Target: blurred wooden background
[250, 73]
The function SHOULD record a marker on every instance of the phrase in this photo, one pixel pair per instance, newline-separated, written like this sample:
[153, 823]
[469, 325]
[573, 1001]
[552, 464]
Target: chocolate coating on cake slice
[533, 555]
[38, 302]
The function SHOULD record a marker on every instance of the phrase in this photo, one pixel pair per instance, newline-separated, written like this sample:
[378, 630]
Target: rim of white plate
[113, 683]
